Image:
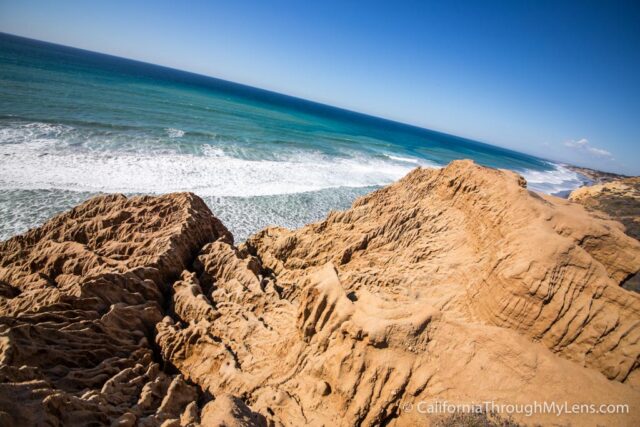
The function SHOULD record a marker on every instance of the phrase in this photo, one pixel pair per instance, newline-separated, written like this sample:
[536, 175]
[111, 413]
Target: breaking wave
[55, 156]
[36, 158]
[557, 180]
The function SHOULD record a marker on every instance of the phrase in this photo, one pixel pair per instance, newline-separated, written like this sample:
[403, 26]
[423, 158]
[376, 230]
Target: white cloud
[577, 144]
[583, 145]
[599, 152]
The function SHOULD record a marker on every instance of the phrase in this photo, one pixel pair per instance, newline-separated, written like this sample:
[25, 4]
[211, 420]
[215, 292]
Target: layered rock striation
[456, 285]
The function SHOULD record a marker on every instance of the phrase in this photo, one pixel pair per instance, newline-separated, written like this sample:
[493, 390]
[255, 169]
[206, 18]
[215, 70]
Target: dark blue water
[75, 123]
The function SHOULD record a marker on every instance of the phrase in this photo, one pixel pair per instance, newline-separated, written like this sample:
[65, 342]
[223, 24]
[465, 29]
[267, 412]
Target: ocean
[74, 124]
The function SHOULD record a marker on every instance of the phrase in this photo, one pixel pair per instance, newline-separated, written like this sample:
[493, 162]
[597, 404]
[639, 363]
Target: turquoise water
[75, 123]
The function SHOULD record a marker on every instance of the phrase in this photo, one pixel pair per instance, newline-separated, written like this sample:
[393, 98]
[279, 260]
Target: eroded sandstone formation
[455, 285]
[81, 299]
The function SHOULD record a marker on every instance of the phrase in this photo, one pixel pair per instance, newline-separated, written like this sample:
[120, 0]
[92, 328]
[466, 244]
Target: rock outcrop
[81, 299]
[454, 285]
[620, 199]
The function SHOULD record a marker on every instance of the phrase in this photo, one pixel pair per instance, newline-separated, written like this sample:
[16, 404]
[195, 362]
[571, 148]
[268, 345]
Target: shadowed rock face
[619, 199]
[455, 284]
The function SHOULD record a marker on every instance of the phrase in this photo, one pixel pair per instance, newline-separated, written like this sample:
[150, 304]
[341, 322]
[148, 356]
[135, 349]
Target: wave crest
[174, 133]
[56, 156]
[557, 180]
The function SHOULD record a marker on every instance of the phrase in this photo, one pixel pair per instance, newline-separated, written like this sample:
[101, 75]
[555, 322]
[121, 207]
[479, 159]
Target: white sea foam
[35, 135]
[405, 159]
[213, 174]
[559, 179]
[211, 151]
[174, 133]
[44, 156]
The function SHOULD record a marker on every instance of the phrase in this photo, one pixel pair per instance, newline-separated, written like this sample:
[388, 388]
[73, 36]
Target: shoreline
[19, 205]
[596, 176]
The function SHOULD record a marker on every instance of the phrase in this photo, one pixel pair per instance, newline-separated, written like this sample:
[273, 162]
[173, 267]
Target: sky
[555, 79]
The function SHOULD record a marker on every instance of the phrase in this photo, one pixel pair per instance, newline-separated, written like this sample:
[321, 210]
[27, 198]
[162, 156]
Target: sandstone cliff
[455, 285]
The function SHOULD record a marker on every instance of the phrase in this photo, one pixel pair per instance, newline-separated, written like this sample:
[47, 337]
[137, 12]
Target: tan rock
[457, 285]
[454, 285]
[229, 411]
[83, 294]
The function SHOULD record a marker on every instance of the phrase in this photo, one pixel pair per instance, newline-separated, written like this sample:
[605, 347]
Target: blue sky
[556, 79]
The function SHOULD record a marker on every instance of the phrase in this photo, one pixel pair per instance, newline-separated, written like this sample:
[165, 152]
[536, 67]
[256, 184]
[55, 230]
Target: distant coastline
[597, 176]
